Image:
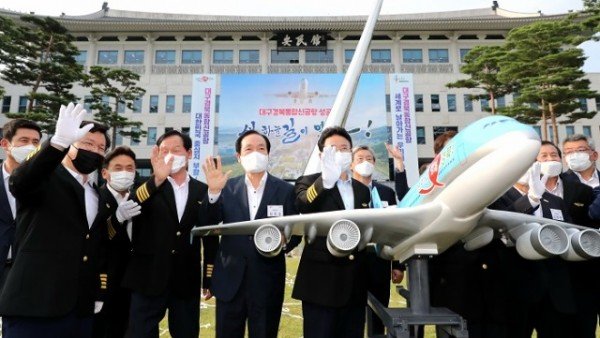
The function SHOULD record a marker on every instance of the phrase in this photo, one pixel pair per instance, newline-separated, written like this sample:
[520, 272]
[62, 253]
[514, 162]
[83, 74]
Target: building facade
[166, 49]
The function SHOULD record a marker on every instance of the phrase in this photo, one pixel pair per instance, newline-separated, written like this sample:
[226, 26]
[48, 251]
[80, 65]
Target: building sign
[301, 40]
[404, 123]
[202, 123]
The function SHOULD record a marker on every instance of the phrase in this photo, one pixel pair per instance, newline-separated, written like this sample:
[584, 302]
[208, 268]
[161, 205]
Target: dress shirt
[181, 194]
[90, 195]
[255, 194]
[593, 182]
[346, 191]
[11, 201]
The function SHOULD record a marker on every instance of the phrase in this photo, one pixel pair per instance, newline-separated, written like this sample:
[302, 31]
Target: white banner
[404, 123]
[202, 123]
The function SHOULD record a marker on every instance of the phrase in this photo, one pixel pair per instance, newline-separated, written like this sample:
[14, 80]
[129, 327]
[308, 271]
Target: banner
[404, 123]
[202, 123]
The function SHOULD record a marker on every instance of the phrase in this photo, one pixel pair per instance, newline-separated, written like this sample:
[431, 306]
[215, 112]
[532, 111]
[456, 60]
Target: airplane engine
[343, 238]
[585, 244]
[542, 241]
[267, 239]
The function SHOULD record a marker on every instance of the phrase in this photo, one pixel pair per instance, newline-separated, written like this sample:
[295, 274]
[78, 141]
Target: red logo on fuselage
[433, 172]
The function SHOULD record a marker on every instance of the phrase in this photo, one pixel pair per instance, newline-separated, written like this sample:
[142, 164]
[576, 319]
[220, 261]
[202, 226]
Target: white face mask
[254, 162]
[121, 180]
[551, 168]
[343, 159]
[364, 169]
[21, 153]
[179, 161]
[578, 161]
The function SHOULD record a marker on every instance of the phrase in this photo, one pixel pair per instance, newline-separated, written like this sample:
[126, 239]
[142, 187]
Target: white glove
[330, 170]
[67, 126]
[98, 307]
[128, 210]
[537, 185]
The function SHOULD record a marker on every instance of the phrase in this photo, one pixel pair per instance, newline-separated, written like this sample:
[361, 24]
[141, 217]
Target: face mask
[525, 178]
[343, 159]
[121, 180]
[21, 153]
[364, 169]
[87, 161]
[179, 161]
[551, 168]
[254, 162]
[578, 161]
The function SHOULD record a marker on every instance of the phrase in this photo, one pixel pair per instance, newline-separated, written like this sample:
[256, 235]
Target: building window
[500, 102]
[438, 56]
[587, 131]
[151, 137]
[137, 105]
[223, 56]
[133, 57]
[348, 54]
[121, 107]
[249, 56]
[186, 131]
[583, 105]
[132, 141]
[319, 56]
[285, 57]
[191, 57]
[435, 102]
[420, 135]
[381, 55]
[81, 58]
[6, 104]
[108, 57]
[468, 103]
[154, 103]
[106, 102]
[170, 104]
[550, 133]
[187, 104]
[570, 130]
[485, 104]
[439, 130]
[87, 103]
[463, 52]
[164, 57]
[412, 55]
[538, 130]
[451, 102]
[597, 104]
[23, 101]
[418, 102]
[119, 140]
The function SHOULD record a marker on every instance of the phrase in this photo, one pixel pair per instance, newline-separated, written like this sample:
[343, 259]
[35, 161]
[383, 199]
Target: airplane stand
[404, 322]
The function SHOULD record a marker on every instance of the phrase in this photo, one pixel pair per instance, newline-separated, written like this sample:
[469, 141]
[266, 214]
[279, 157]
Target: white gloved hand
[537, 185]
[330, 170]
[67, 129]
[128, 210]
[98, 307]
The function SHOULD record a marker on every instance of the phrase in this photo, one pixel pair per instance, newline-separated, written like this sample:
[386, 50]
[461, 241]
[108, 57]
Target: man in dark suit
[119, 174]
[363, 166]
[164, 270]
[56, 280]
[21, 137]
[249, 286]
[333, 290]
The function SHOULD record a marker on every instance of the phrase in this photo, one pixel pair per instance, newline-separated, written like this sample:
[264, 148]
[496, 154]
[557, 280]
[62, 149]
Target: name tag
[385, 204]
[557, 214]
[274, 210]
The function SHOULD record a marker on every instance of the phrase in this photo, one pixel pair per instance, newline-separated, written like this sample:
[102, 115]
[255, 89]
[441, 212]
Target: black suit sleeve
[209, 214]
[401, 184]
[308, 191]
[289, 208]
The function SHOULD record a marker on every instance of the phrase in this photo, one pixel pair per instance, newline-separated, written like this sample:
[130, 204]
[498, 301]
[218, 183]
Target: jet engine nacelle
[542, 241]
[268, 240]
[585, 244]
[343, 238]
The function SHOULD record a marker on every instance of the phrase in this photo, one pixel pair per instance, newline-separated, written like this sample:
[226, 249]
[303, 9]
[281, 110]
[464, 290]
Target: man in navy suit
[249, 287]
[21, 137]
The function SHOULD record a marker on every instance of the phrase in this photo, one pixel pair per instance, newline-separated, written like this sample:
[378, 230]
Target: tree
[111, 91]
[544, 63]
[482, 64]
[39, 53]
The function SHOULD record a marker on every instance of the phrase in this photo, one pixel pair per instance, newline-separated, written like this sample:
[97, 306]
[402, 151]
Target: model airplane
[302, 94]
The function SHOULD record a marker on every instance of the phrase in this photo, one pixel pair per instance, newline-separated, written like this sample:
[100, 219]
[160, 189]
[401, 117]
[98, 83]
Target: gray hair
[580, 137]
[363, 147]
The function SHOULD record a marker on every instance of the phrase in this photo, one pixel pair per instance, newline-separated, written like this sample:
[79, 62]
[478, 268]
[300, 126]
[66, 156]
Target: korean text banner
[404, 124]
[202, 123]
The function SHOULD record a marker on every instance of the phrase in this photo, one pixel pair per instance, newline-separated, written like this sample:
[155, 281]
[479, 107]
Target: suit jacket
[164, 255]
[58, 258]
[7, 226]
[400, 184]
[322, 278]
[237, 258]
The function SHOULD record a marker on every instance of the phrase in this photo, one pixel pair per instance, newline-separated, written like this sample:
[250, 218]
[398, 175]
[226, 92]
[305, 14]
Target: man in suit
[333, 290]
[164, 270]
[56, 281]
[363, 166]
[21, 137]
[249, 287]
[119, 173]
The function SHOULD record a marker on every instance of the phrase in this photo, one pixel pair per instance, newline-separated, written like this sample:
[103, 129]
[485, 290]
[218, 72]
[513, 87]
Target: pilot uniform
[333, 290]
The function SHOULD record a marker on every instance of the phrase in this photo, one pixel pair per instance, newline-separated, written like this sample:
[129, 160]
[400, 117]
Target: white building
[166, 49]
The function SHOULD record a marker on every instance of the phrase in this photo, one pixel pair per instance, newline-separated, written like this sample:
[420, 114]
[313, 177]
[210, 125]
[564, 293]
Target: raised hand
[396, 154]
[215, 178]
[330, 170]
[68, 130]
[537, 185]
[161, 168]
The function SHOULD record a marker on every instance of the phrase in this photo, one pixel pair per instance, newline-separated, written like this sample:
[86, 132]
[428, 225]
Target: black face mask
[87, 161]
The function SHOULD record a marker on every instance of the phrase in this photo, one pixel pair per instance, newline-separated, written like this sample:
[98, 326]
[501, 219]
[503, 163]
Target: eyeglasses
[578, 150]
[88, 145]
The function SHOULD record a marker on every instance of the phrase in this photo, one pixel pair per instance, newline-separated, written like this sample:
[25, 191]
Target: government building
[166, 49]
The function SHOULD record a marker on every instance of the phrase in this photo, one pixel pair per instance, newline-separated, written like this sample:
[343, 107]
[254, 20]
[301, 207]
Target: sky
[301, 8]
